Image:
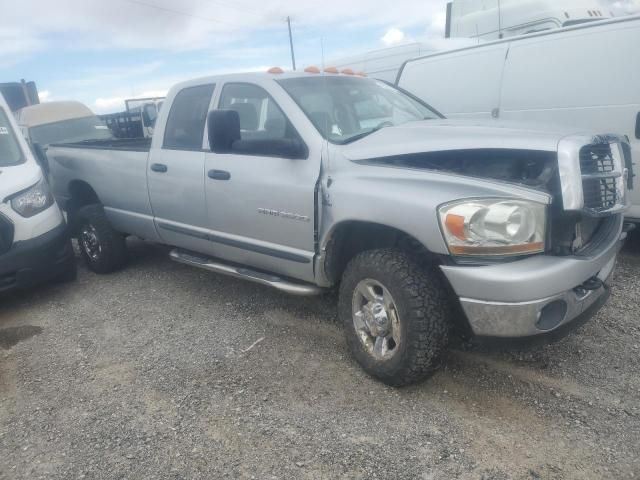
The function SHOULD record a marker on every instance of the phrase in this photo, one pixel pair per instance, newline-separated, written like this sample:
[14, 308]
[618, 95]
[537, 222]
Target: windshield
[344, 109]
[69, 131]
[10, 151]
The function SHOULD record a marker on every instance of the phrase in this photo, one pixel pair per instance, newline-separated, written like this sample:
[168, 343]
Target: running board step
[207, 263]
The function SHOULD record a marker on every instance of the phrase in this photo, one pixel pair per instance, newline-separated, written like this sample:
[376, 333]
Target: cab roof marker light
[331, 70]
[312, 69]
[347, 71]
[275, 70]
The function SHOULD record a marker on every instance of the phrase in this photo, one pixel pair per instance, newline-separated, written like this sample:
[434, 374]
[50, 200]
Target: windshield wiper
[358, 136]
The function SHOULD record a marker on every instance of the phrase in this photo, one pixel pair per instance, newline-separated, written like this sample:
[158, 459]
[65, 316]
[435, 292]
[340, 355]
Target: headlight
[493, 227]
[33, 200]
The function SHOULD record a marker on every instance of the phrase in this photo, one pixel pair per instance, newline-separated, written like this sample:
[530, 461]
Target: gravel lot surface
[165, 371]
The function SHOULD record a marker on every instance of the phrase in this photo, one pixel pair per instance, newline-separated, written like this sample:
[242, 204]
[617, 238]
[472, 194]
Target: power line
[184, 14]
[236, 7]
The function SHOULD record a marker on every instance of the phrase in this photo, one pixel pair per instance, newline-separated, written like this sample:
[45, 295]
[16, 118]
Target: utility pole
[499, 20]
[293, 57]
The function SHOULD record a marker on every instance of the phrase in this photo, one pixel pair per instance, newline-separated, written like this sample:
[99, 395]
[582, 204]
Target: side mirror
[40, 154]
[223, 129]
[280, 147]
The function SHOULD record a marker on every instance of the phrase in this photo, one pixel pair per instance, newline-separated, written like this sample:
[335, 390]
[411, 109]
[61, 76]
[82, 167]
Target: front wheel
[395, 314]
[102, 248]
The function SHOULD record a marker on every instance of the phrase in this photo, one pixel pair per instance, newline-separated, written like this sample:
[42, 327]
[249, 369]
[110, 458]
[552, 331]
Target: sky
[103, 51]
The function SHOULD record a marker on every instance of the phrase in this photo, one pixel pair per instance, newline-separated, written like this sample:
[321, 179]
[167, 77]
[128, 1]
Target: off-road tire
[113, 248]
[423, 307]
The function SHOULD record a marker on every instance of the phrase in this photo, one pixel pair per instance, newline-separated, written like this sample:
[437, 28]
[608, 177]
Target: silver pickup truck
[306, 181]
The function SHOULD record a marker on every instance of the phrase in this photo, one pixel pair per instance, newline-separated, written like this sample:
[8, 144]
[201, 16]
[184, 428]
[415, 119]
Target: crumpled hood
[17, 178]
[448, 134]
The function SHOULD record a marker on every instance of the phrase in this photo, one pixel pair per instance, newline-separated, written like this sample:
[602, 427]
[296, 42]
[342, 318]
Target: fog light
[552, 315]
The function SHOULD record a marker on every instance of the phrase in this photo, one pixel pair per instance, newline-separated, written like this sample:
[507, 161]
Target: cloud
[192, 24]
[394, 36]
[16, 44]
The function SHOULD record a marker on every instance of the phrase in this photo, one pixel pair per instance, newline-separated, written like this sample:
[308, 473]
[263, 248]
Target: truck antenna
[293, 57]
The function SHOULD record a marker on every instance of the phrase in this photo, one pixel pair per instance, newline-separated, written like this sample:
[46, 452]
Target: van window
[10, 151]
[188, 114]
[260, 116]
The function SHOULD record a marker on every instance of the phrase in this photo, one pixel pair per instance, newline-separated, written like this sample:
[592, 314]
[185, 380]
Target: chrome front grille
[600, 174]
[593, 174]
[6, 235]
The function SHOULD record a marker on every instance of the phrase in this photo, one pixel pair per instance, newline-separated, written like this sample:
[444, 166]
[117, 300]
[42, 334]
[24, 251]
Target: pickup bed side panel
[118, 177]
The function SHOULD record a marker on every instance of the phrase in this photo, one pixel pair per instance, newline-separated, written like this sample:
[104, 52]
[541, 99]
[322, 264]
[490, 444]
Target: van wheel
[395, 314]
[102, 248]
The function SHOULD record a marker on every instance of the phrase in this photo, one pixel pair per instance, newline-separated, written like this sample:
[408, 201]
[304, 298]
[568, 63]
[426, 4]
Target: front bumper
[533, 296]
[29, 262]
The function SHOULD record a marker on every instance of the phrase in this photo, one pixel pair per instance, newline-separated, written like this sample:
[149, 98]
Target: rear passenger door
[176, 171]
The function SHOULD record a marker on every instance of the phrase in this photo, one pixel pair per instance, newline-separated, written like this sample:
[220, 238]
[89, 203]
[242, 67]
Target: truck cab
[34, 241]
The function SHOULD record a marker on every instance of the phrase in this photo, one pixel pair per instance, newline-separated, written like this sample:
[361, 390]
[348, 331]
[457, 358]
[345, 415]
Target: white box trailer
[495, 19]
[586, 76]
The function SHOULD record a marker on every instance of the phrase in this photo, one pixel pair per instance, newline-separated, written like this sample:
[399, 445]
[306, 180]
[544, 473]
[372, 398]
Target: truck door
[176, 171]
[261, 206]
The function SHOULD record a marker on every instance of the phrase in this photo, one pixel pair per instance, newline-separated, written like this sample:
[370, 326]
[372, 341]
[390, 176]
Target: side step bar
[288, 286]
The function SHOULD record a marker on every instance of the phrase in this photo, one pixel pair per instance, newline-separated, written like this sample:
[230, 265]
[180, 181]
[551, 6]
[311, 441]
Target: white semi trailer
[495, 19]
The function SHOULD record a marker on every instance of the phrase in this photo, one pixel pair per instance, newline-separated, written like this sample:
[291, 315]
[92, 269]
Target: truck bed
[126, 144]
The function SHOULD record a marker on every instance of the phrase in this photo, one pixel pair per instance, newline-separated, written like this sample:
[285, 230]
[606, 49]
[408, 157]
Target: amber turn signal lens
[497, 250]
[455, 225]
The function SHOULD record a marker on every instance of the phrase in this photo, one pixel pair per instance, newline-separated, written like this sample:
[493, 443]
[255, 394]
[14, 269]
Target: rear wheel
[102, 248]
[395, 313]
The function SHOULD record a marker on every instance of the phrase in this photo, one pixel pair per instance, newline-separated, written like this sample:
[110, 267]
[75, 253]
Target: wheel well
[82, 194]
[351, 238]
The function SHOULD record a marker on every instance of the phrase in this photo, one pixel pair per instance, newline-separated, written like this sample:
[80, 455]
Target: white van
[34, 242]
[60, 122]
[586, 76]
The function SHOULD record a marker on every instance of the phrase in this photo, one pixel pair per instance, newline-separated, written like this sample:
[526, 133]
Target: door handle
[219, 175]
[159, 167]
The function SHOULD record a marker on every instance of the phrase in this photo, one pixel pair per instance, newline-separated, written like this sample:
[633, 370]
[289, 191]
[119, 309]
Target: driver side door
[261, 206]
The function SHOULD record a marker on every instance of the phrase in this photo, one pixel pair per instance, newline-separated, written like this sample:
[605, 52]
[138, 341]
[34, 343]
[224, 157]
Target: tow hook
[594, 283]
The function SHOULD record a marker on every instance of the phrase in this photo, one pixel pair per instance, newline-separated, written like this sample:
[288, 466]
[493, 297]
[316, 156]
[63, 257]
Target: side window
[260, 116]
[188, 114]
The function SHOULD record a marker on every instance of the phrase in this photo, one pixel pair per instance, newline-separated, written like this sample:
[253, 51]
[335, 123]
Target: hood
[447, 134]
[17, 178]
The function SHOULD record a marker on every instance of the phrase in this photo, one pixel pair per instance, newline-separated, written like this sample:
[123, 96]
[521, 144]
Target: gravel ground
[164, 371]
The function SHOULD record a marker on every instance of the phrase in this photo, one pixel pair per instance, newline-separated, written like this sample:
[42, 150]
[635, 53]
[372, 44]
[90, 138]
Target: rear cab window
[187, 118]
[10, 152]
